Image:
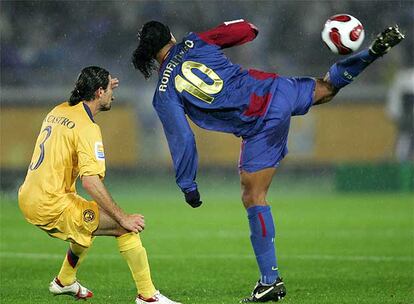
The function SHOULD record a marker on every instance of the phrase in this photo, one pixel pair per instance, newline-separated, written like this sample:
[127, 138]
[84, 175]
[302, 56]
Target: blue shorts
[265, 149]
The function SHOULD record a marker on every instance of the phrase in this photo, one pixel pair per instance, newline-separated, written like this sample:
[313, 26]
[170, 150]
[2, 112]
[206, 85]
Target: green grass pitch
[332, 248]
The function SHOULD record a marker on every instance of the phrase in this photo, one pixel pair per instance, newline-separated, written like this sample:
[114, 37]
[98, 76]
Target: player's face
[107, 97]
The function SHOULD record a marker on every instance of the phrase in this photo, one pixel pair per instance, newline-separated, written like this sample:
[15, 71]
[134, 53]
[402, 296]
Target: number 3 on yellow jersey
[48, 131]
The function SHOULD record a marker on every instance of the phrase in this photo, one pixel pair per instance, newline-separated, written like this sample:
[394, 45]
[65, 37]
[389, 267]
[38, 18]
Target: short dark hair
[90, 79]
[152, 38]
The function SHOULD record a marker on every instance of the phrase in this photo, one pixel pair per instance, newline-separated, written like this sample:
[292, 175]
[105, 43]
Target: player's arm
[182, 146]
[97, 190]
[230, 33]
[91, 163]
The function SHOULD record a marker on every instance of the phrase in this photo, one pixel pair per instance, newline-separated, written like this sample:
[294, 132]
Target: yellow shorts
[76, 223]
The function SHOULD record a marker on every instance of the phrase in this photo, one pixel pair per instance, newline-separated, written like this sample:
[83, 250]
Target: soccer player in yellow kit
[70, 145]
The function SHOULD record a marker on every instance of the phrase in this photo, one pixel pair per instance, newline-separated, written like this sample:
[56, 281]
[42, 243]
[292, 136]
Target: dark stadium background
[342, 155]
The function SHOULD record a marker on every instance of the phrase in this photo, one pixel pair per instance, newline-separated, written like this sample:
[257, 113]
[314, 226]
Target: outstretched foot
[267, 293]
[75, 290]
[389, 38]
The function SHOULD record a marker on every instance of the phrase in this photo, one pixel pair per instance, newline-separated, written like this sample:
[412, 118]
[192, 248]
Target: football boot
[157, 298]
[75, 290]
[389, 38]
[267, 293]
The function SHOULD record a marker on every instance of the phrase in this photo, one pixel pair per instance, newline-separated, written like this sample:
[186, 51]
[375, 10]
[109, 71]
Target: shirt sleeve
[90, 151]
[230, 34]
[180, 141]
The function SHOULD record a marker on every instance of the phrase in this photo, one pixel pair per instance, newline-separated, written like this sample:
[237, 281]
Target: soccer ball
[343, 34]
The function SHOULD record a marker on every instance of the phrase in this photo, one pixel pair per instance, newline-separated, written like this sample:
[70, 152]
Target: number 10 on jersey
[196, 86]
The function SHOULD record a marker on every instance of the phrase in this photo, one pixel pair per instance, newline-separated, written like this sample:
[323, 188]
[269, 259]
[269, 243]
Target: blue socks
[262, 236]
[343, 72]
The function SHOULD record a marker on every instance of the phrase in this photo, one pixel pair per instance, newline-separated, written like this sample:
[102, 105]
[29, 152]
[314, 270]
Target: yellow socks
[131, 249]
[73, 259]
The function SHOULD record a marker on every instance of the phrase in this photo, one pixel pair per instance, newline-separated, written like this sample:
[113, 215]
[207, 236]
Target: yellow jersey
[69, 145]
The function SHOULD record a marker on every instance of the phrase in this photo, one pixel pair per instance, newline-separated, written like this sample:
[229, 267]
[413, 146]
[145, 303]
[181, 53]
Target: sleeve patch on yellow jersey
[99, 151]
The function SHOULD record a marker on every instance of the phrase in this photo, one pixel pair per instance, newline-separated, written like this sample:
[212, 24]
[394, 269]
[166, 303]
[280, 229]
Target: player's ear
[99, 92]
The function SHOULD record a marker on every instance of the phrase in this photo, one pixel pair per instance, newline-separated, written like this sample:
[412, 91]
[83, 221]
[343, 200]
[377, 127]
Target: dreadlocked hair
[152, 38]
[90, 79]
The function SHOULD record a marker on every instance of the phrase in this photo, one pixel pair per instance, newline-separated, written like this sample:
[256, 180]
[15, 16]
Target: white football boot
[75, 290]
[157, 298]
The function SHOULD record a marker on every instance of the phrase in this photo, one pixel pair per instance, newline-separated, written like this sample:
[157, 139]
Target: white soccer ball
[343, 34]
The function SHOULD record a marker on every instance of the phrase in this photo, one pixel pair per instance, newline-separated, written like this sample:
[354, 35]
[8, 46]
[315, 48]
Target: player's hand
[114, 83]
[133, 222]
[193, 198]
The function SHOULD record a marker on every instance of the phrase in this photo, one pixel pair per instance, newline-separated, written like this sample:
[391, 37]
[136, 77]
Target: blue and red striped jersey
[197, 80]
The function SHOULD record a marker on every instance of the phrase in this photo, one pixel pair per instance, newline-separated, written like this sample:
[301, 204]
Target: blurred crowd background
[50, 40]
[44, 45]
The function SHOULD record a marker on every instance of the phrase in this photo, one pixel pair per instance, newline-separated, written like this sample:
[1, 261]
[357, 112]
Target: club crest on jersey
[99, 151]
[88, 215]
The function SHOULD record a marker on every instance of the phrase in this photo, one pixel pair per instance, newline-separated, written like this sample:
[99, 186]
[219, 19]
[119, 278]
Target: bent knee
[253, 198]
[324, 91]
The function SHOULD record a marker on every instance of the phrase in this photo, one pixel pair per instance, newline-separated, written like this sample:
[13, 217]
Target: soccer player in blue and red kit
[198, 81]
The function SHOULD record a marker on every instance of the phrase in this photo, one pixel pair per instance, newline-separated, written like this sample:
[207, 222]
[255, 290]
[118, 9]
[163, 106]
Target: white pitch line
[352, 258]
